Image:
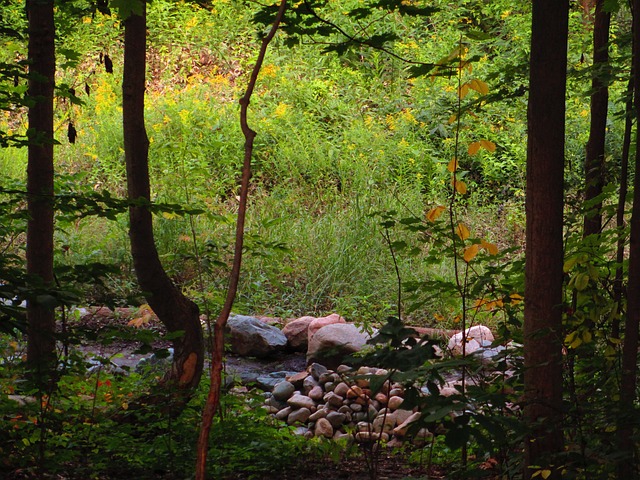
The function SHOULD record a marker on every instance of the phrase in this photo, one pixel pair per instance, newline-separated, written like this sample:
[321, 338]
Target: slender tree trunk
[628, 416]
[618, 285]
[213, 397]
[41, 352]
[176, 312]
[544, 247]
[595, 153]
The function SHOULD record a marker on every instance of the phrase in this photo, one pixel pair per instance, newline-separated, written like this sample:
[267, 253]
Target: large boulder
[296, 332]
[476, 337]
[251, 337]
[333, 342]
[321, 322]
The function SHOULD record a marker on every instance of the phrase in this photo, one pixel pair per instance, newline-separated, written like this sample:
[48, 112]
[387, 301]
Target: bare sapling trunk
[213, 397]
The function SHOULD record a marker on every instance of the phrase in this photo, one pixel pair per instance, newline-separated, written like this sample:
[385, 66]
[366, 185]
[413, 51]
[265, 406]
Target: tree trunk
[627, 417]
[544, 247]
[41, 354]
[176, 312]
[594, 161]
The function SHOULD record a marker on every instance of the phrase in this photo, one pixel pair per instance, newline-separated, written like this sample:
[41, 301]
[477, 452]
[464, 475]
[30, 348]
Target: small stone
[395, 442]
[381, 398]
[316, 393]
[401, 430]
[364, 427]
[283, 390]
[329, 386]
[299, 416]
[323, 428]
[341, 436]
[371, 436]
[301, 431]
[336, 419]
[271, 410]
[402, 415]
[395, 402]
[341, 389]
[396, 392]
[320, 413]
[309, 383]
[354, 392]
[448, 391]
[274, 402]
[301, 401]
[356, 407]
[343, 369]
[316, 370]
[284, 413]
[333, 399]
[297, 378]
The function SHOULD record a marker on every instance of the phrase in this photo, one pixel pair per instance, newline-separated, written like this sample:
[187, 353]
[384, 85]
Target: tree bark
[41, 354]
[628, 416]
[595, 152]
[544, 233]
[176, 312]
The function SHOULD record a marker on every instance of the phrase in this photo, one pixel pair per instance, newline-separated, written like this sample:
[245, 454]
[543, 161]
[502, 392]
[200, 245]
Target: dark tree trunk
[41, 352]
[177, 312]
[627, 417]
[594, 161]
[544, 247]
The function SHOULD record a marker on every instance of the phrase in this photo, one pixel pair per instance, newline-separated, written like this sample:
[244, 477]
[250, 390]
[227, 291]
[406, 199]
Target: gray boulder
[252, 337]
[333, 342]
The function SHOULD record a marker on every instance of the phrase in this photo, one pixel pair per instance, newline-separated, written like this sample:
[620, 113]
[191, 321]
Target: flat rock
[251, 337]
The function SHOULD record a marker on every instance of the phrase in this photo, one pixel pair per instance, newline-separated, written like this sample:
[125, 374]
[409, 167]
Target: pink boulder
[296, 332]
[318, 323]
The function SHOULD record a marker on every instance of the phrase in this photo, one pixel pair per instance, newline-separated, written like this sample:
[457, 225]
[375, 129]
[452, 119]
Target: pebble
[299, 416]
[323, 428]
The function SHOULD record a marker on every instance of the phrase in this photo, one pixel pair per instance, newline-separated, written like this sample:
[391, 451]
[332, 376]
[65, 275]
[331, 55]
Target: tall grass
[339, 138]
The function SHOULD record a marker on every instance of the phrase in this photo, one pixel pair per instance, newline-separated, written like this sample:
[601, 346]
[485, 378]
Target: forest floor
[122, 351]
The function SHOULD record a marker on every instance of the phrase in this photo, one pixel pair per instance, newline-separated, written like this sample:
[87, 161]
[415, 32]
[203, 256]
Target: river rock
[323, 428]
[333, 342]
[251, 337]
[301, 401]
[318, 323]
[300, 415]
[297, 334]
[476, 337]
[283, 390]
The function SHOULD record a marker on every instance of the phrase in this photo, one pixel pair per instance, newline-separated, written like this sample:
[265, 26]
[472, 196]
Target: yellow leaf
[491, 248]
[470, 252]
[545, 474]
[515, 298]
[463, 91]
[438, 317]
[474, 148]
[169, 215]
[462, 231]
[461, 187]
[453, 165]
[479, 86]
[435, 212]
[576, 343]
[488, 145]
[587, 336]
[452, 119]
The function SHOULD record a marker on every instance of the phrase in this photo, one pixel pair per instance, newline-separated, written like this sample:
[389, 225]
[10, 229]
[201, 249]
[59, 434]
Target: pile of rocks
[324, 403]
